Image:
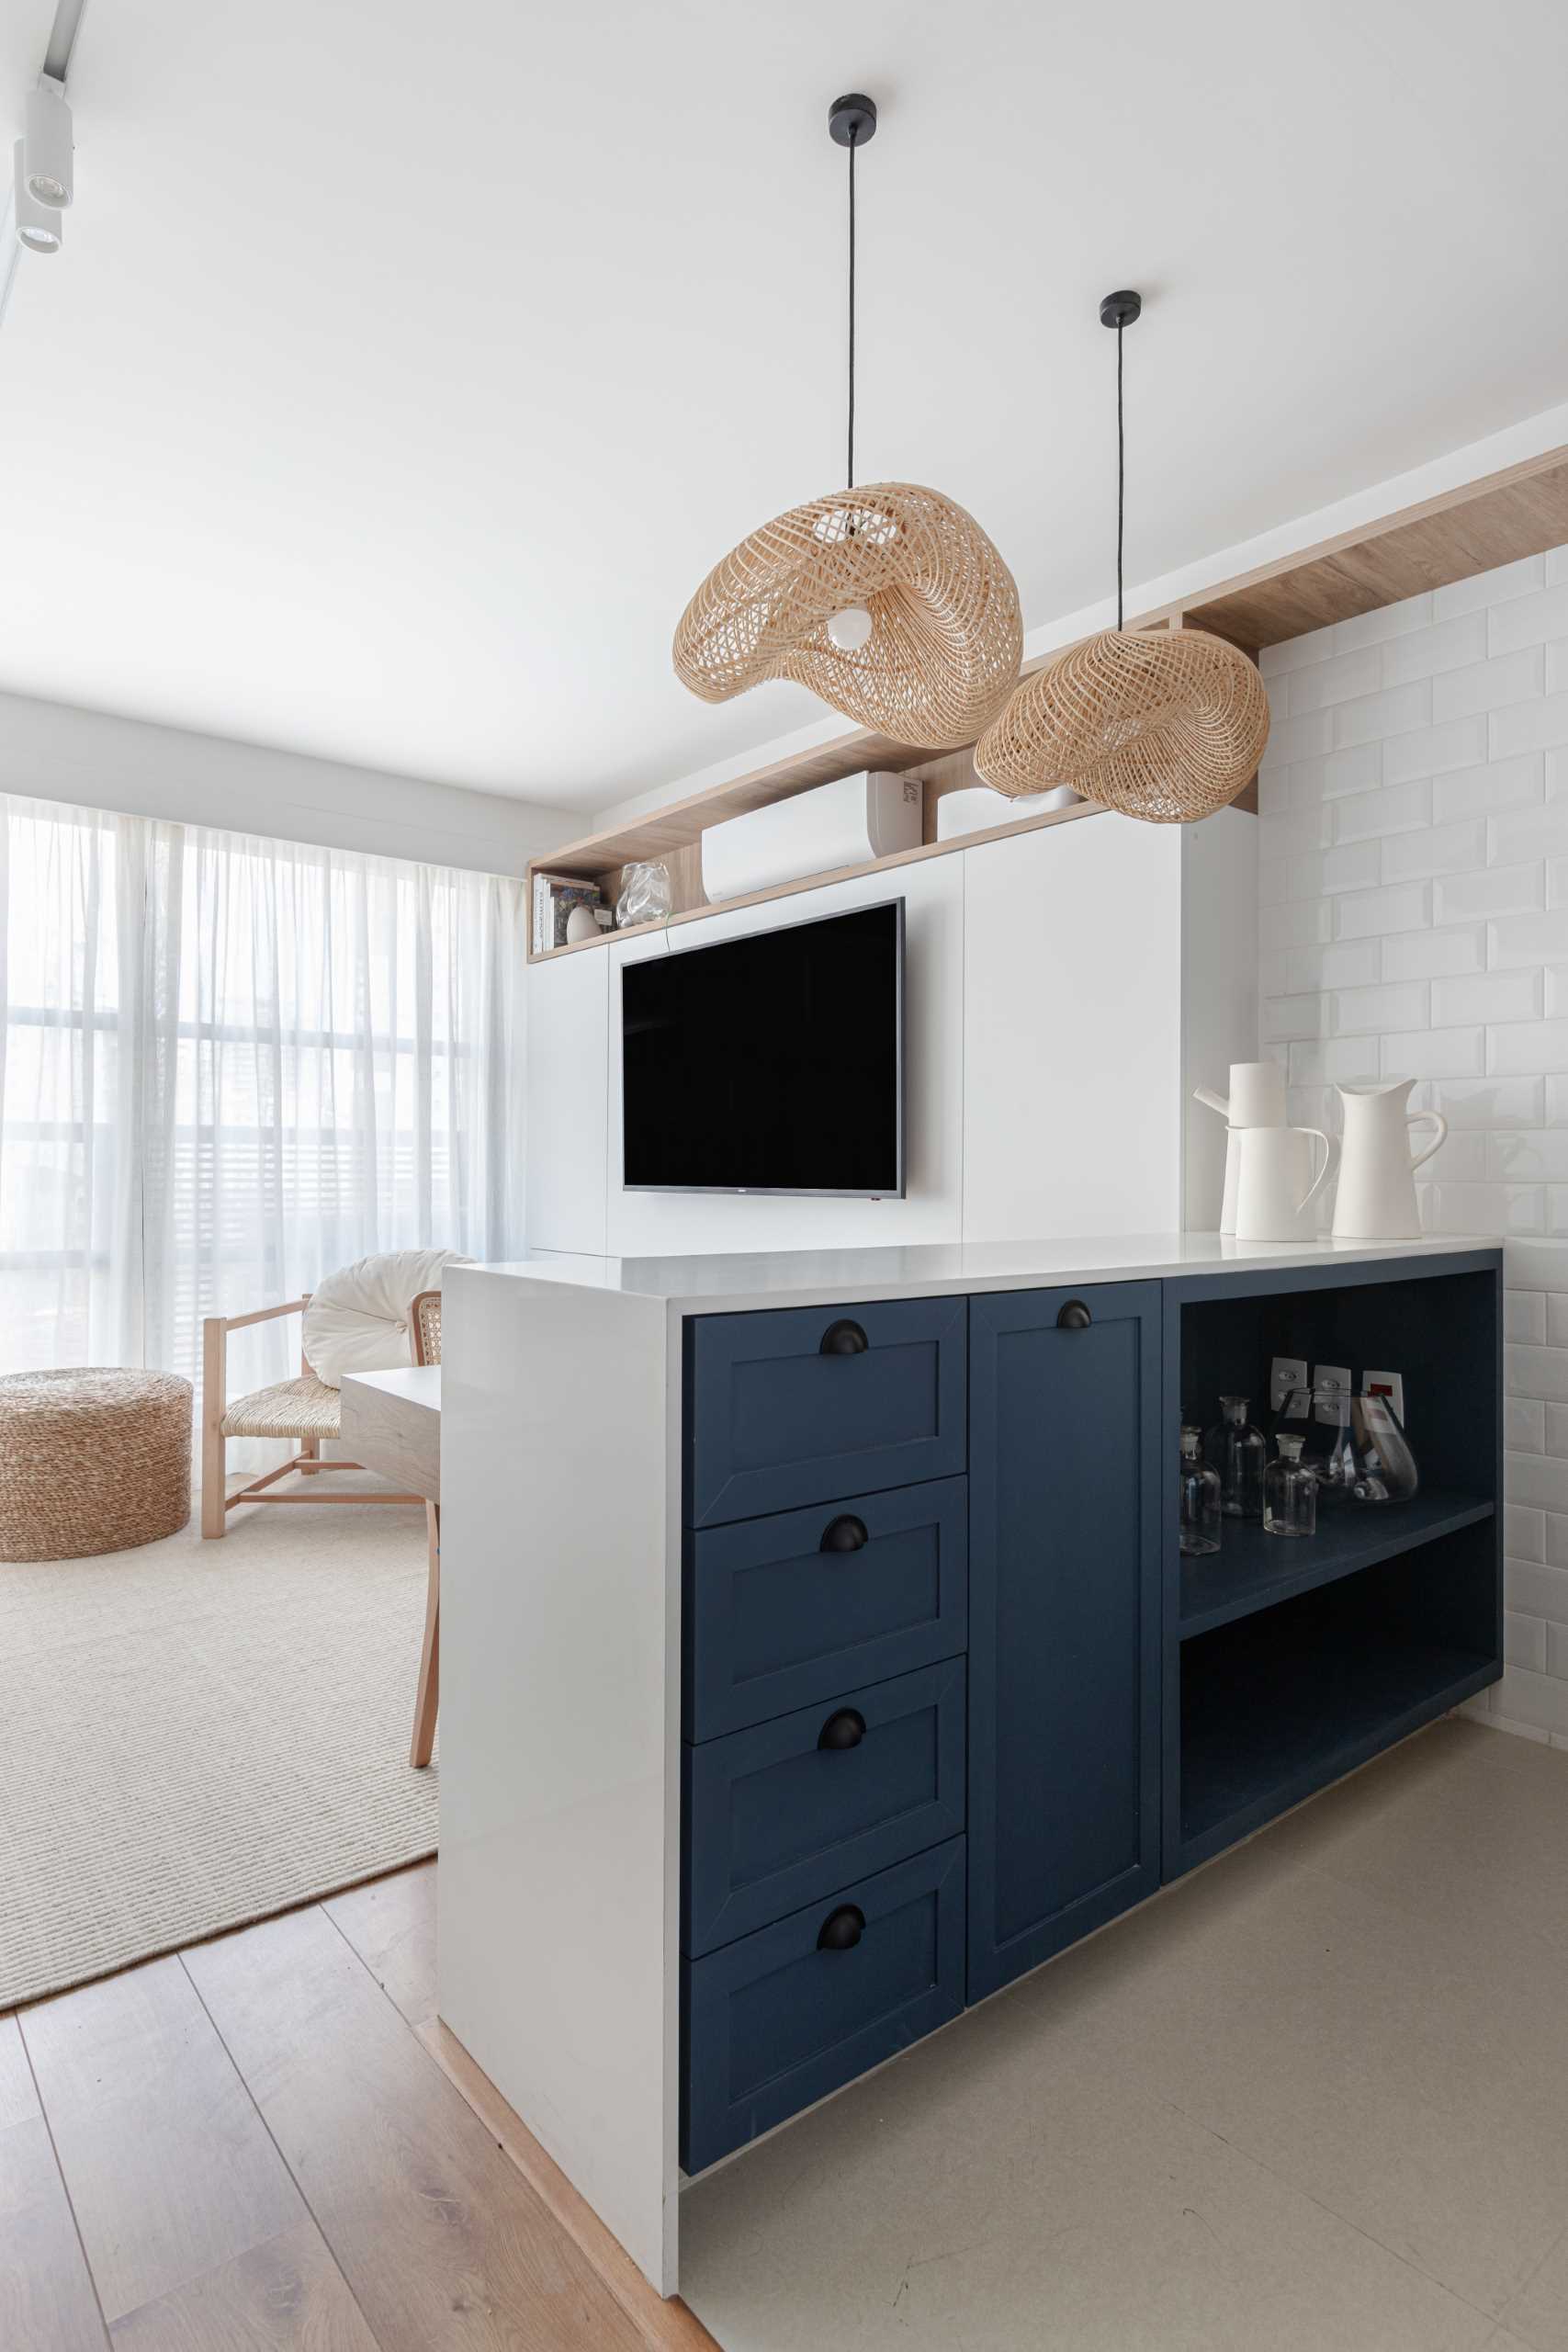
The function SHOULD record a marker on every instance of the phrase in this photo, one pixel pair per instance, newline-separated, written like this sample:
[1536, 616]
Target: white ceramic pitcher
[1376, 1201]
[1276, 1184]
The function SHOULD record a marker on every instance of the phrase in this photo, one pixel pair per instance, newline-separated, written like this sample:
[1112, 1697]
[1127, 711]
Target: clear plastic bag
[645, 895]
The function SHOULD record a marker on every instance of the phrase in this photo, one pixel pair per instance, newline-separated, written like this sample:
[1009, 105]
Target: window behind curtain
[231, 1065]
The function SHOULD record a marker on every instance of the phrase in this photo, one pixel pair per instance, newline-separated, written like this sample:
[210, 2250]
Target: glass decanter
[1372, 1462]
[1199, 1490]
[1290, 1492]
[1238, 1452]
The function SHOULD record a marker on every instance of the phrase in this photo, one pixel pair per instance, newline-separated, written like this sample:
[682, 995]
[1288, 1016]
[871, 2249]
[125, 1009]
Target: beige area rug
[193, 1735]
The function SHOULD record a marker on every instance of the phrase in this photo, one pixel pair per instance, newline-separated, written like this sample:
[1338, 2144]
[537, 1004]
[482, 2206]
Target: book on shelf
[555, 895]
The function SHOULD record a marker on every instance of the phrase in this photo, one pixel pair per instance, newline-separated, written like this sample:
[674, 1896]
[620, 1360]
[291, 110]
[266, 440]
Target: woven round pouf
[92, 1461]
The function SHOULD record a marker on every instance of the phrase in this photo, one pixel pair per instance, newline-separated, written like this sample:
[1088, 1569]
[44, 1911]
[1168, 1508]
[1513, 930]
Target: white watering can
[1256, 1099]
[1376, 1201]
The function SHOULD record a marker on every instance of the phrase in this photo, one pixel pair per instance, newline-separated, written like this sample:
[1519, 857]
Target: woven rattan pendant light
[887, 601]
[1163, 725]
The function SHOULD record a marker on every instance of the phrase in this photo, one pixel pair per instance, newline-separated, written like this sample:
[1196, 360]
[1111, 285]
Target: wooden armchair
[305, 1410]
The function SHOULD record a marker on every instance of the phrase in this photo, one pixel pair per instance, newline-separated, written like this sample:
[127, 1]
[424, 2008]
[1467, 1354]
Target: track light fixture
[46, 144]
[37, 225]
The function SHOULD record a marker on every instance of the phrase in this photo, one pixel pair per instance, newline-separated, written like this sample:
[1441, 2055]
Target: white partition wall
[563, 1792]
[1218, 992]
[1072, 1031]
[1065, 991]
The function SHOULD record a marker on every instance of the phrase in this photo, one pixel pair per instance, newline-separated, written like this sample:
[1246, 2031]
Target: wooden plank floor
[269, 2143]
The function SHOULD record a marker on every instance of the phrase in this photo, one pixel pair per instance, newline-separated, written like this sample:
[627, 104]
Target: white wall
[53, 751]
[1046, 1049]
[1414, 864]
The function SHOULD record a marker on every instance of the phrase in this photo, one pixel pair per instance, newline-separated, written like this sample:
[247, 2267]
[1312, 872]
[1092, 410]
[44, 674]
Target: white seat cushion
[358, 1319]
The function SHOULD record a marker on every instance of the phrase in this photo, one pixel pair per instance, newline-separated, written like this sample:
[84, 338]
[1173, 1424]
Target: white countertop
[735, 1284]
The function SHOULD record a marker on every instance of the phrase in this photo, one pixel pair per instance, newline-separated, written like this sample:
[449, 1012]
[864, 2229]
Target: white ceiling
[407, 366]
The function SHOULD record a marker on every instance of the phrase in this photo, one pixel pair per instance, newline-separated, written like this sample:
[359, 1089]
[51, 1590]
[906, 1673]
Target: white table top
[391, 1422]
[414, 1384]
[733, 1284]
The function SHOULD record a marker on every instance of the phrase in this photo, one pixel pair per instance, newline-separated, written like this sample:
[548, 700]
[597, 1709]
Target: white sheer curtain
[229, 1065]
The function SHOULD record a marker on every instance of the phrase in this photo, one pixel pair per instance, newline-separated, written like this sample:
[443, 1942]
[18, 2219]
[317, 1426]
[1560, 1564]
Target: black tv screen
[770, 1064]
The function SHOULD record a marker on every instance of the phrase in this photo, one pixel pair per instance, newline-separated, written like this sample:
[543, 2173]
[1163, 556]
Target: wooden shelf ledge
[1520, 512]
[816, 881]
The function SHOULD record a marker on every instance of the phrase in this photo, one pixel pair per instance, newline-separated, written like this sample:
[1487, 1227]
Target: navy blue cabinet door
[1066, 1487]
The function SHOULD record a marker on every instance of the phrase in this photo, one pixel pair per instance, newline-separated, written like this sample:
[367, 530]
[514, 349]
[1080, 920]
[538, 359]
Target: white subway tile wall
[1412, 844]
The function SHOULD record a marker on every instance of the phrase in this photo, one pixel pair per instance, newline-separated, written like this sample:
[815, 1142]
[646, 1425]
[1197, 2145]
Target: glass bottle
[1238, 1453]
[1199, 1498]
[1313, 1414]
[1290, 1492]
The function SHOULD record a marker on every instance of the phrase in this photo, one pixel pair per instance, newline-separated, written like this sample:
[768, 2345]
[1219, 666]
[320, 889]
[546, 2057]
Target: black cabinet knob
[845, 1533]
[841, 1929]
[846, 1729]
[1074, 1316]
[843, 1339]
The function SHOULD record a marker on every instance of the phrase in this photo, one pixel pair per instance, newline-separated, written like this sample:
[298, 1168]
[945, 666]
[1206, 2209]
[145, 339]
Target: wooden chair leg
[427, 1696]
[214, 1376]
[310, 1447]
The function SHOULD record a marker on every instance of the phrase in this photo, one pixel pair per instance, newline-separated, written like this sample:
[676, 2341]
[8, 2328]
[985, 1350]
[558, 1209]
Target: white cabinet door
[568, 1088]
[1072, 1031]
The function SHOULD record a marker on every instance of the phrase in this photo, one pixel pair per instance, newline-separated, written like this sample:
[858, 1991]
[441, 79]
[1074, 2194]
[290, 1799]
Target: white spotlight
[37, 225]
[48, 144]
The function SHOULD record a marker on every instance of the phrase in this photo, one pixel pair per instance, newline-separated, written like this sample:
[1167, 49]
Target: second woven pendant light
[1164, 725]
[888, 601]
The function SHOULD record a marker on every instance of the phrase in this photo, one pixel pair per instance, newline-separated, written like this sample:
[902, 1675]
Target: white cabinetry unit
[1066, 988]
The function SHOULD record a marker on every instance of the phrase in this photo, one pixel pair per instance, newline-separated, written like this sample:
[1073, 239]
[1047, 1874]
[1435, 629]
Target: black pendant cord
[851, 121]
[854, 138]
[1120, 311]
[1120, 474]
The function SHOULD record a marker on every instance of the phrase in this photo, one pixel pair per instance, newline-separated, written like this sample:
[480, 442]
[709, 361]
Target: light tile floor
[1315, 2096]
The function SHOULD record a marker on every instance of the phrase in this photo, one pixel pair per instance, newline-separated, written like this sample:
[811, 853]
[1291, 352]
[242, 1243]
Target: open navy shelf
[1252, 1570]
[1263, 1726]
[1288, 1663]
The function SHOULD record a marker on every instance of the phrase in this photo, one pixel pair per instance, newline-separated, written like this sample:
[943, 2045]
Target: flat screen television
[769, 1064]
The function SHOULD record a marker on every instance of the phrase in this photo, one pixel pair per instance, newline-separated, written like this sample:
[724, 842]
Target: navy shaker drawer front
[778, 1816]
[789, 2014]
[780, 1613]
[812, 1403]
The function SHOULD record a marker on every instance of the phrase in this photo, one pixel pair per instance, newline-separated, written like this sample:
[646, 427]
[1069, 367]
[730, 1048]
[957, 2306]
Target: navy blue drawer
[776, 1417]
[776, 1617]
[777, 2020]
[780, 1815]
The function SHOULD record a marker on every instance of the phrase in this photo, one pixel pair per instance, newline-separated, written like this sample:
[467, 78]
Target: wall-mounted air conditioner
[847, 823]
[976, 808]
